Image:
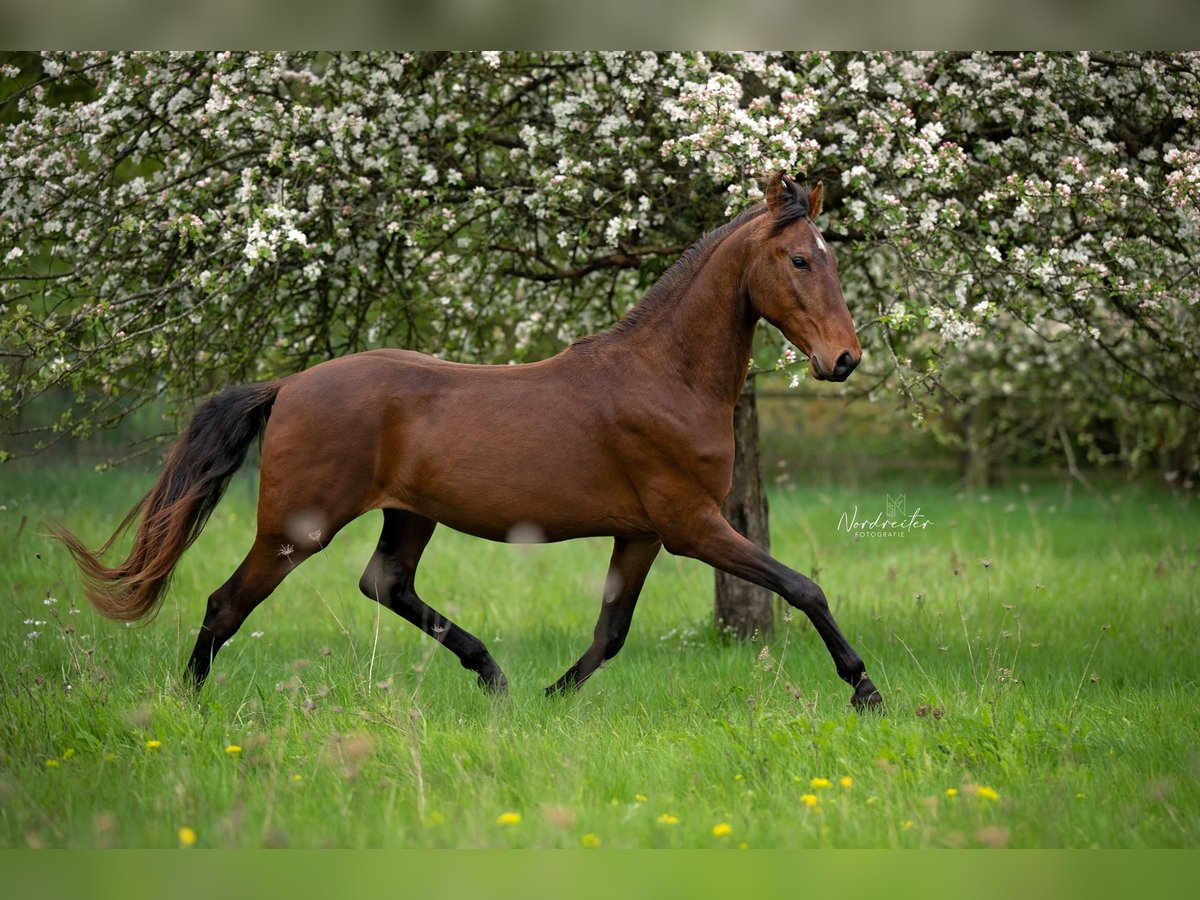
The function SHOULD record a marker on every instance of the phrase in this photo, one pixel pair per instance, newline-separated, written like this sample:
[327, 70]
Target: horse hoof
[494, 682]
[561, 687]
[867, 701]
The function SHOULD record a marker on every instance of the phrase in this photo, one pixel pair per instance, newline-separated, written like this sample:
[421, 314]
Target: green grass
[1061, 676]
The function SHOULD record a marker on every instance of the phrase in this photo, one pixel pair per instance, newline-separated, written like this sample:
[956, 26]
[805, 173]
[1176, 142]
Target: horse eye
[799, 262]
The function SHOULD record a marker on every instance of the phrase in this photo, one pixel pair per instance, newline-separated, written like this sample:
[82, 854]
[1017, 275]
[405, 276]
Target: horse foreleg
[714, 541]
[267, 563]
[631, 561]
[389, 580]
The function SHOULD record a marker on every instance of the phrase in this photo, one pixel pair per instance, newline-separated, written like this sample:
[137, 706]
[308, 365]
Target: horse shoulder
[678, 439]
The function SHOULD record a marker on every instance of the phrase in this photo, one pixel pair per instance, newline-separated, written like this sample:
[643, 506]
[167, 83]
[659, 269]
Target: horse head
[793, 280]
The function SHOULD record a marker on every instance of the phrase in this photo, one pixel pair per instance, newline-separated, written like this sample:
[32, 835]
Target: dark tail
[196, 473]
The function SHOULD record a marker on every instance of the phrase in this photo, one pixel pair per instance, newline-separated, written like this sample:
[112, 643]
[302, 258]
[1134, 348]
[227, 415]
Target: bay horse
[626, 434]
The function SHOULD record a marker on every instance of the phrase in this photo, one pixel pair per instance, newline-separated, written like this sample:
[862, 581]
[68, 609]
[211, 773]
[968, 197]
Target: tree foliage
[1017, 232]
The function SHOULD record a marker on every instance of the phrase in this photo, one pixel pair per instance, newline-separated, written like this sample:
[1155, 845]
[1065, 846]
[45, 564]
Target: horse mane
[680, 274]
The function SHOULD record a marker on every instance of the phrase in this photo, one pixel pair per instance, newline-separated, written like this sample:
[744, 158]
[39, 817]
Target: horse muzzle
[846, 363]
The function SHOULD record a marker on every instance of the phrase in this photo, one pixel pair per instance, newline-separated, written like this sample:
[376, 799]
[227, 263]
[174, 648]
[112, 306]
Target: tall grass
[1037, 657]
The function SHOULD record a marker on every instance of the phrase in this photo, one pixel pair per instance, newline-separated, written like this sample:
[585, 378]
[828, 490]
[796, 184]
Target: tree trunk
[743, 608]
[977, 462]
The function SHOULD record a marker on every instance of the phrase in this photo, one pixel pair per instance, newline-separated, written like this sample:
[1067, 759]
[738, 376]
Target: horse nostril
[845, 365]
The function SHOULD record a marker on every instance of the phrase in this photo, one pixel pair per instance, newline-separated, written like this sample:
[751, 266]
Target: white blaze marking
[820, 240]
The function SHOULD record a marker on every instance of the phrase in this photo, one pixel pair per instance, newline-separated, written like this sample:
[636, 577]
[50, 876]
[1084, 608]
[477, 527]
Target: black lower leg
[230, 605]
[389, 579]
[631, 561]
[806, 596]
[472, 653]
[715, 541]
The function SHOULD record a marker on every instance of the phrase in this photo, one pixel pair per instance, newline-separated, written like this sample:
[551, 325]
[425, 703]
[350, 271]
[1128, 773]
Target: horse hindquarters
[314, 478]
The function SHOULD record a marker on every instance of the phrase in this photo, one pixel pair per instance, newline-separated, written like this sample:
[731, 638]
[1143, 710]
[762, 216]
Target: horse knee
[806, 595]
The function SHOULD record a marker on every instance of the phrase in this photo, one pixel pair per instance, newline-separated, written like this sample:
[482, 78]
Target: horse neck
[704, 333]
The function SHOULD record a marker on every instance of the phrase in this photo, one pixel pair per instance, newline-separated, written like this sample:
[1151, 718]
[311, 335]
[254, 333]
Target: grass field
[1036, 647]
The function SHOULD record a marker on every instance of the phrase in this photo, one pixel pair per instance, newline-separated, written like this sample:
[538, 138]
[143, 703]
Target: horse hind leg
[389, 580]
[265, 566]
[631, 561]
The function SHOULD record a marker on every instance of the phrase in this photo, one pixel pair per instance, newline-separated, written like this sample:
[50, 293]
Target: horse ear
[815, 196]
[784, 198]
[779, 188]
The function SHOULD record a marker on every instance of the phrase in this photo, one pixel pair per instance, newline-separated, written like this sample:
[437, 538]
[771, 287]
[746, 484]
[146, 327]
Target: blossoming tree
[1017, 232]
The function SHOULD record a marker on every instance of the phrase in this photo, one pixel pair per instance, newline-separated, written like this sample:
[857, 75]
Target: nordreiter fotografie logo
[893, 520]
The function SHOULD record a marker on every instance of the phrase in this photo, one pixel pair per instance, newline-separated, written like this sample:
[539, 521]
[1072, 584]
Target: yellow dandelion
[297, 777]
[846, 781]
[590, 841]
[739, 777]
[668, 819]
[909, 824]
[951, 792]
[722, 829]
[435, 818]
[233, 749]
[1080, 796]
[639, 798]
[988, 793]
[187, 837]
[820, 783]
[508, 818]
[153, 745]
[68, 753]
[52, 764]
[810, 799]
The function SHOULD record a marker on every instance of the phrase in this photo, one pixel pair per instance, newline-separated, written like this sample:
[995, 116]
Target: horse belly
[522, 485]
